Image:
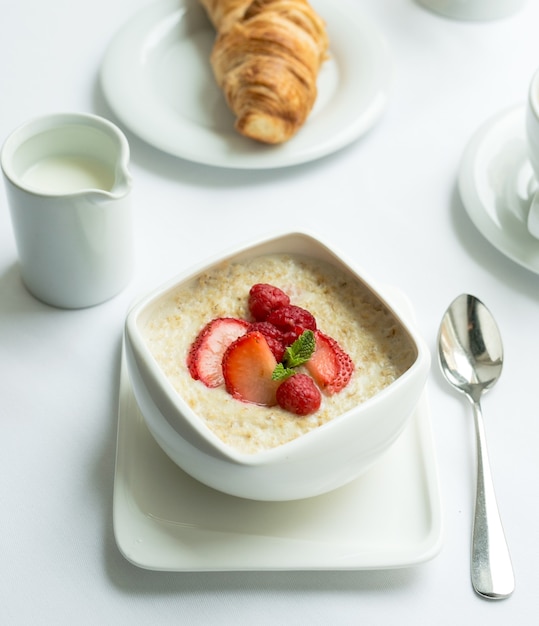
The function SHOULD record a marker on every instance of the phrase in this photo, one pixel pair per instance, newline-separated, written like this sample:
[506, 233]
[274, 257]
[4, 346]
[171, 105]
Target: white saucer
[165, 520]
[495, 178]
[157, 78]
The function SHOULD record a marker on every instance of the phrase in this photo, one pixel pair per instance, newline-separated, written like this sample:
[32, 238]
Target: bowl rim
[281, 452]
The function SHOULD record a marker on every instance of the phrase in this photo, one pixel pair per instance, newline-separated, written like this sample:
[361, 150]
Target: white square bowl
[317, 462]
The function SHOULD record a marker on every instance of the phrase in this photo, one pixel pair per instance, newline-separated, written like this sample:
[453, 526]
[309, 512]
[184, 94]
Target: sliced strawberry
[323, 365]
[206, 353]
[275, 338]
[264, 298]
[299, 395]
[248, 365]
[330, 365]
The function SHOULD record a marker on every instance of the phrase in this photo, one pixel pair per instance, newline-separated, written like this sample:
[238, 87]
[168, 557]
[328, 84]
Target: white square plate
[165, 520]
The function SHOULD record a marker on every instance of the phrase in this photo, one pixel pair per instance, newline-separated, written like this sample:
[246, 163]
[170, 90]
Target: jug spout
[123, 182]
[119, 190]
[120, 180]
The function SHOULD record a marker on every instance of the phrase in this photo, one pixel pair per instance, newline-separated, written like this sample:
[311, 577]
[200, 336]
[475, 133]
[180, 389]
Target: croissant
[266, 59]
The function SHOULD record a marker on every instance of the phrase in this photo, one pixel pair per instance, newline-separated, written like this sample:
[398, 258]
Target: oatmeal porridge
[379, 347]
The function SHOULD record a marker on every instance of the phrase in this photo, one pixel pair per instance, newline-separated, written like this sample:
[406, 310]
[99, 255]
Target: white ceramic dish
[495, 178]
[314, 463]
[157, 79]
[164, 520]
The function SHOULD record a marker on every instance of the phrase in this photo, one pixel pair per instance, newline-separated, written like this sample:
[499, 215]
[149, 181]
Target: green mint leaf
[301, 350]
[281, 372]
[295, 355]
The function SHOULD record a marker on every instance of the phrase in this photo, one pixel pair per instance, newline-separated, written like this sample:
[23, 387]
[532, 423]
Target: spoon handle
[491, 568]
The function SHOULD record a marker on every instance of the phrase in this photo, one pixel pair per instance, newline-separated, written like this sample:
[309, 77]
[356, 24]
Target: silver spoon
[471, 356]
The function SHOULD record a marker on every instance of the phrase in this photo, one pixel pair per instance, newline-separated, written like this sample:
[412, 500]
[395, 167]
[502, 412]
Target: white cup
[532, 136]
[474, 9]
[532, 123]
[68, 190]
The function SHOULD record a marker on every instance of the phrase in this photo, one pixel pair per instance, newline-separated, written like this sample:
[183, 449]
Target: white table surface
[390, 202]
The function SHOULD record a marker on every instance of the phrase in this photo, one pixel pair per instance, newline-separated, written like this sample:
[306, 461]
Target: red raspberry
[288, 318]
[299, 395]
[274, 337]
[291, 335]
[264, 298]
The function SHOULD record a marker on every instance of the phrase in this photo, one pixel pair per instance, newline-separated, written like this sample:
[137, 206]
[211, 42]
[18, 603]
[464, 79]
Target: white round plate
[495, 179]
[157, 78]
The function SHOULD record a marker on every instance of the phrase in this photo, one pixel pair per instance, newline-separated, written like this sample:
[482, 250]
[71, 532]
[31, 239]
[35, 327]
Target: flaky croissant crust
[266, 59]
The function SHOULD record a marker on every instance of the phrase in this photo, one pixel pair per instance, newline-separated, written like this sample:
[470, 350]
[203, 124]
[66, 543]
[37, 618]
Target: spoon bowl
[470, 352]
[470, 347]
